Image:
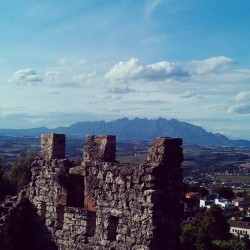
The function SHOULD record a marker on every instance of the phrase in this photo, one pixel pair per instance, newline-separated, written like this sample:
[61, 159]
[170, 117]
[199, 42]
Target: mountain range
[136, 129]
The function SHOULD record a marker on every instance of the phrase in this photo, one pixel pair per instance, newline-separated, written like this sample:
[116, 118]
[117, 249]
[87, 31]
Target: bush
[20, 173]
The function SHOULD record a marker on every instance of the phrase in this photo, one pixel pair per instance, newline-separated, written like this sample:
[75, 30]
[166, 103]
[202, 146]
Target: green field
[235, 178]
[241, 190]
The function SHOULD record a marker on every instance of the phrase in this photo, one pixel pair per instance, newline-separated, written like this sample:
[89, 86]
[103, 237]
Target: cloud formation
[150, 6]
[25, 76]
[81, 62]
[188, 94]
[62, 61]
[241, 106]
[52, 119]
[71, 84]
[120, 90]
[150, 102]
[52, 92]
[161, 71]
[52, 75]
[84, 76]
[209, 65]
[68, 76]
[242, 97]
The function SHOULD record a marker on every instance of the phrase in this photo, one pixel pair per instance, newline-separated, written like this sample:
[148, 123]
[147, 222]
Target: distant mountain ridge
[136, 129]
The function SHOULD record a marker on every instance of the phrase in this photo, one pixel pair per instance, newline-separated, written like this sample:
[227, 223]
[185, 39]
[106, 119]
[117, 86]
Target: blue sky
[83, 60]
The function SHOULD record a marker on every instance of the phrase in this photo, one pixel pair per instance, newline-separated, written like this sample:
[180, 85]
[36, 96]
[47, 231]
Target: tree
[244, 194]
[215, 224]
[5, 186]
[225, 192]
[204, 229]
[191, 237]
[229, 245]
[20, 173]
[1, 166]
[203, 192]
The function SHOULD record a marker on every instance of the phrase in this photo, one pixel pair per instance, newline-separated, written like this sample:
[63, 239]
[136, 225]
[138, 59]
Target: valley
[203, 165]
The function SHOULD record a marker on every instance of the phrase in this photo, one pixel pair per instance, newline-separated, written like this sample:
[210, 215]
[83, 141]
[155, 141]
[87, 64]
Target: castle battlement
[99, 203]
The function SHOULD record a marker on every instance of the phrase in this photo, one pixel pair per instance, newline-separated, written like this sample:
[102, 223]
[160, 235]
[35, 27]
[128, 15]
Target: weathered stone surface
[101, 148]
[166, 150]
[100, 203]
[53, 146]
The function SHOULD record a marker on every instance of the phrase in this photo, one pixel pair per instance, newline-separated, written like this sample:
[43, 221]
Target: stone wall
[102, 204]
[53, 146]
[100, 148]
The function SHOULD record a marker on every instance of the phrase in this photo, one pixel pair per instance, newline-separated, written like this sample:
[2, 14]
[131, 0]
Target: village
[228, 189]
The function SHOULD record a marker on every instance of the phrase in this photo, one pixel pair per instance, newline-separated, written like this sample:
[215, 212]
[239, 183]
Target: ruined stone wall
[101, 204]
[10, 211]
[52, 146]
[21, 227]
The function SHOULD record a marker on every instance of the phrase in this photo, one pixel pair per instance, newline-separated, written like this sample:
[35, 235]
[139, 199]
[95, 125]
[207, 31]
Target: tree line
[210, 231]
[14, 179]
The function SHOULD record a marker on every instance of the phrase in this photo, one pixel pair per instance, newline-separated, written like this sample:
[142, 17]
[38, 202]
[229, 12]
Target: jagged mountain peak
[137, 128]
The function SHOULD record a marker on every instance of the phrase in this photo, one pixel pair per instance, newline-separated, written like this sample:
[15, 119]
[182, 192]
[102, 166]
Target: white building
[240, 202]
[206, 203]
[240, 228]
[224, 204]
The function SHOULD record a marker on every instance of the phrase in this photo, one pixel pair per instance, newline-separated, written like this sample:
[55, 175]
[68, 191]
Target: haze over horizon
[63, 62]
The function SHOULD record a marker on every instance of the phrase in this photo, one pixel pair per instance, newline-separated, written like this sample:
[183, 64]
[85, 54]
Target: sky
[63, 62]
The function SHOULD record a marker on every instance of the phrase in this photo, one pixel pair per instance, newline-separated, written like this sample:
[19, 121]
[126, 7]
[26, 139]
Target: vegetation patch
[235, 178]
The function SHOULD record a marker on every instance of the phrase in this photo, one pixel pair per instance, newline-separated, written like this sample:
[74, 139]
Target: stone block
[165, 149]
[53, 146]
[100, 147]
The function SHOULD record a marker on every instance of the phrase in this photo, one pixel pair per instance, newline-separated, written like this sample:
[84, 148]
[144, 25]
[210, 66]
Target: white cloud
[242, 103]
[81, 62]
[69, 84]
[108, 97]
[62, 61]
[68, 76]
[52, 92]
[165, 70]
[116, 98]
[92, 102]
[120, 90]
[151, 5]
[209, 65]
[188, 94]
[125, 70]
[134, 70]
[114, 110]
[25, 76]
[241, 108]
[150, 102]
[29, 119]
[52, 75]
[84, 76]
[242, 97]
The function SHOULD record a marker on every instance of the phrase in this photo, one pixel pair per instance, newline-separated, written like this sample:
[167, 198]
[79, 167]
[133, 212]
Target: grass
[241, 190]
[235, 178]
[138, 159]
